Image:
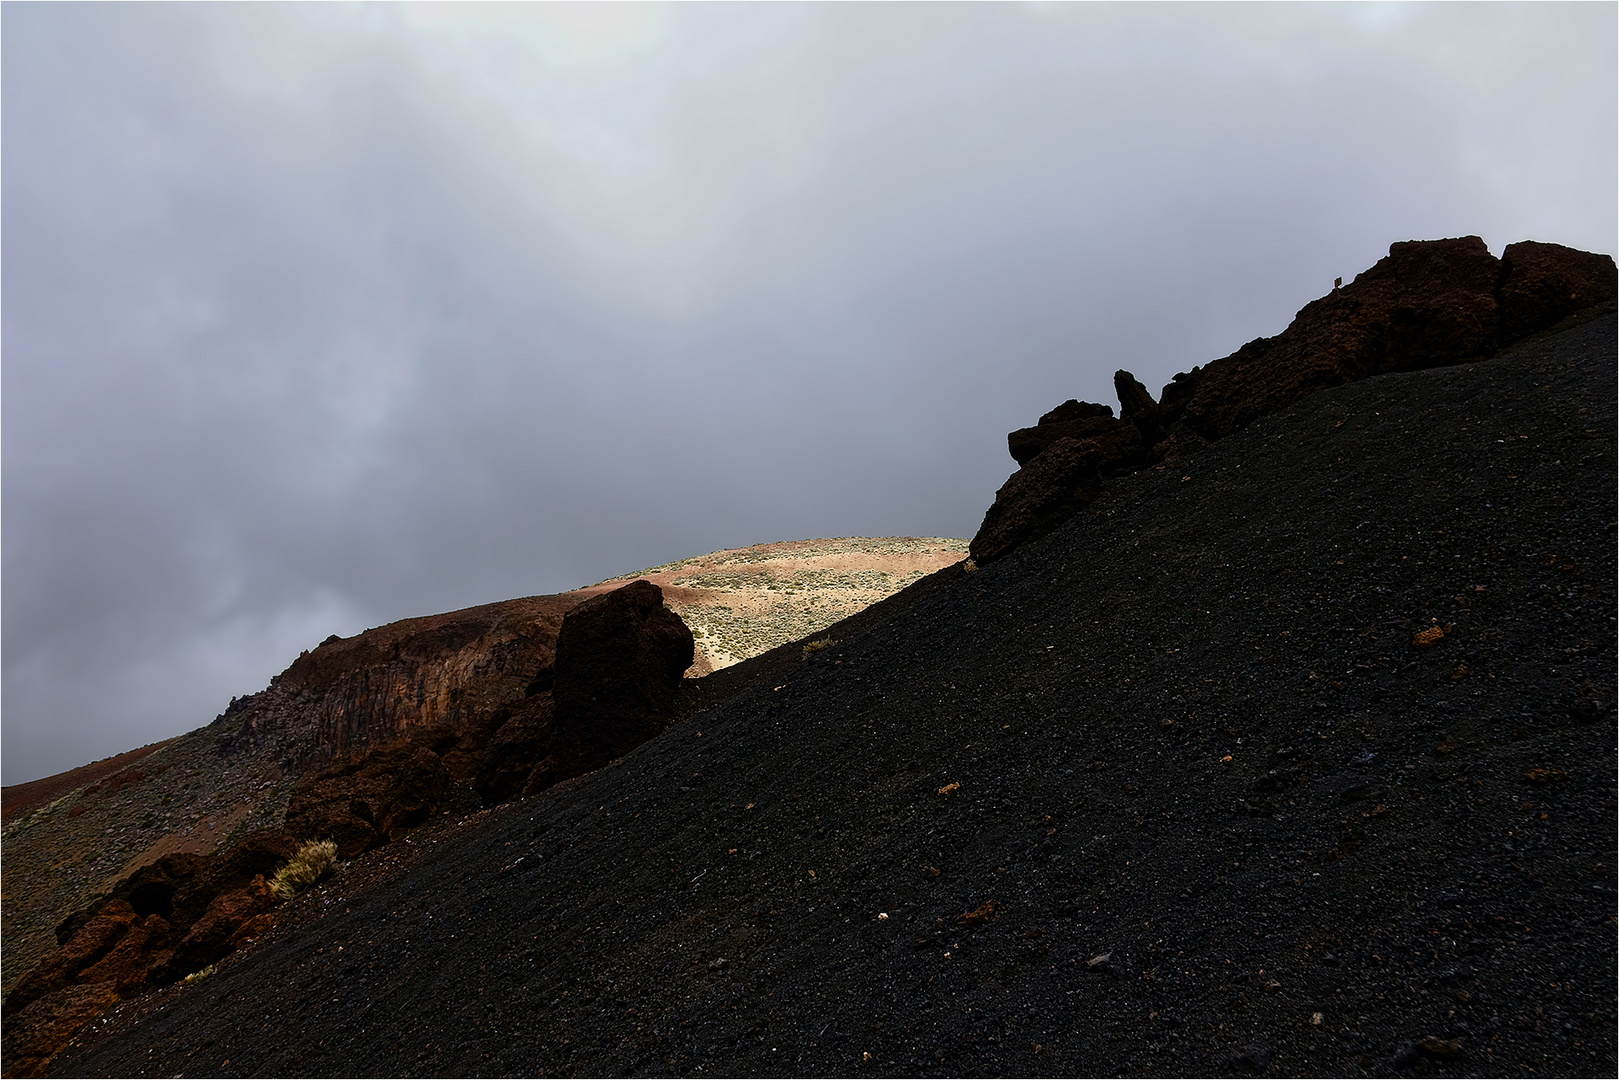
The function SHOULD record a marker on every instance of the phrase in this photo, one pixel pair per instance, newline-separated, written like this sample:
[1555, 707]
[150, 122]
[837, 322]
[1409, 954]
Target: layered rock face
[1428, 304]
[618, 661]
[443, 672]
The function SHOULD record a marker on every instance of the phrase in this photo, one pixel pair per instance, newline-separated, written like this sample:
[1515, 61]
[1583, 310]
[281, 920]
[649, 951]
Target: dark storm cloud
[317, 317]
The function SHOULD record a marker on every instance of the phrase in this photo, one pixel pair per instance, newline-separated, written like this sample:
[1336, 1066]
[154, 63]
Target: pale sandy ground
[745, 601]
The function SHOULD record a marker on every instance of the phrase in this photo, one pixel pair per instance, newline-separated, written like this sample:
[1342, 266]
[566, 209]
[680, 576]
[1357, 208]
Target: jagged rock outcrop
[180, 886]
[1065, 458]
[1040, 496]
[214, 934]
[1134, 399]
[83, 951]
[1118, 441]
[618, 667]
[619, 661]
[164, 921]
[1427, 304]
[445, 673]
[107, 958]
[1541, 284]
[148, 891]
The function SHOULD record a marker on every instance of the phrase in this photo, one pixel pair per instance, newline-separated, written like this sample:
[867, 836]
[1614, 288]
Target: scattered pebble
[1427, 639]
[978, 915]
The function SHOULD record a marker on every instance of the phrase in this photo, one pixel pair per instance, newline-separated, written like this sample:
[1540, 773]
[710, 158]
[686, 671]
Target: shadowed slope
[1231, 816]
[448, 674]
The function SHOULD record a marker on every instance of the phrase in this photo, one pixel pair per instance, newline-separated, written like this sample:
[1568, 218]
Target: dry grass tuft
[813, 647]
[313, 862]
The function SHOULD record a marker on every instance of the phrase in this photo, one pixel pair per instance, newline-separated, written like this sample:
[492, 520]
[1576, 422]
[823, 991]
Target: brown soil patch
[198, 839]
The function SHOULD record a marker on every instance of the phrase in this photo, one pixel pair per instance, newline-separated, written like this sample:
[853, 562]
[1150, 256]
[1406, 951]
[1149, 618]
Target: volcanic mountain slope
[1294, 757]
[70, 837]
[453, 671]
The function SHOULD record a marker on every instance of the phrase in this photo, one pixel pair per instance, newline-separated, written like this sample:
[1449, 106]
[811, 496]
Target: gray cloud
[317, 317]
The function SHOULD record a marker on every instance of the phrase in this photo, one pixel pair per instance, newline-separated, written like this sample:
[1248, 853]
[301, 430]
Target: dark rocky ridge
[1211, 783]
[1429, 303]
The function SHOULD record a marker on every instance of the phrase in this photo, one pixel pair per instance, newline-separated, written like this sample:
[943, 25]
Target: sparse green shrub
[313, 862]
[197, 976]
[813, 647]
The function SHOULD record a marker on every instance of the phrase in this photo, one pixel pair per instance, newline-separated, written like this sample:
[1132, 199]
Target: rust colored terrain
[19, 797]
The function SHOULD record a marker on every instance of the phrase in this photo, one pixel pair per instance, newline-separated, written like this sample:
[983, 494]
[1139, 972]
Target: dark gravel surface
[1230, 818]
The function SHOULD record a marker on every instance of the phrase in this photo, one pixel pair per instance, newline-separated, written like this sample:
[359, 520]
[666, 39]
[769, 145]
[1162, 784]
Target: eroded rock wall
[446, 672]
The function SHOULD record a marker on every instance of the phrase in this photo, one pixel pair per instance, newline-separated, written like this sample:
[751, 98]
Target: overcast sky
[319, 316]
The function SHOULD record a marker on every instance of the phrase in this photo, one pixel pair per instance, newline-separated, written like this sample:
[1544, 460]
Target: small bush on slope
[313, 862]
[813, 647]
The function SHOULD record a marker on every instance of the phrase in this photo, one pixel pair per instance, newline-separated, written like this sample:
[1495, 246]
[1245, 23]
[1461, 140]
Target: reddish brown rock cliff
[446, 672]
